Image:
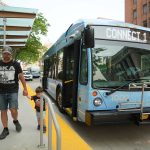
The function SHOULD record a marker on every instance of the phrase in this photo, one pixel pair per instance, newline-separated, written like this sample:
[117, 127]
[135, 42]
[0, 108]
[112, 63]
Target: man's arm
[29, 97]
[22, 79]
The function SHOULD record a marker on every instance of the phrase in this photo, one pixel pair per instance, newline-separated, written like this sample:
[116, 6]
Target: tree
[31, 52]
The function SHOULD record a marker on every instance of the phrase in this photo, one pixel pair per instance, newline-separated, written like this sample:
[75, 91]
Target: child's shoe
[38, 127]
[44, 129]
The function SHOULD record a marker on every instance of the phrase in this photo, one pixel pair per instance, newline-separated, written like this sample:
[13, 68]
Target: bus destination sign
[121, 34]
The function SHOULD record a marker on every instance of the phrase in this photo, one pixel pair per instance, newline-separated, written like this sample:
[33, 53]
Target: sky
[62, 13]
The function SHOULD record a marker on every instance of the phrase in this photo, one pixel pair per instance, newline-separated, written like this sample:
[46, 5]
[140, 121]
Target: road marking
[70, 139]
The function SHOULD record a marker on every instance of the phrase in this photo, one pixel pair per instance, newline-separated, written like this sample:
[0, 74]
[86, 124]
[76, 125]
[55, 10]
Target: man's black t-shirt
[9, 76]
[35, 98]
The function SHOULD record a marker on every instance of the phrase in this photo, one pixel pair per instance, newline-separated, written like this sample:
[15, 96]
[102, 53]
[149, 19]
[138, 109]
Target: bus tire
[59, 100]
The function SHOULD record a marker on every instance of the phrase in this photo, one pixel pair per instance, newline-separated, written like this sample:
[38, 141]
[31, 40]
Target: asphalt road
[109, 137]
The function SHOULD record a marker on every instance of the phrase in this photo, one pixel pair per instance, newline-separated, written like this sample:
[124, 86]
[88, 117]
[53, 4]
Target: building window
[145, 9]
[134, 14]
[145, 23]
[134, 2]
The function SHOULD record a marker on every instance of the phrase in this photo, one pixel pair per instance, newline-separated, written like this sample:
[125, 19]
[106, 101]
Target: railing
[51, 118]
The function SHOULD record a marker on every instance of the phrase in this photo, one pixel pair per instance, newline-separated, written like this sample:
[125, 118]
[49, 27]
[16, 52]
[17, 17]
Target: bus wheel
[59, 100]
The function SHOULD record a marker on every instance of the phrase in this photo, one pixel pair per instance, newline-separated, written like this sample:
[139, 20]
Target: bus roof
[110, 22]
[65, 39]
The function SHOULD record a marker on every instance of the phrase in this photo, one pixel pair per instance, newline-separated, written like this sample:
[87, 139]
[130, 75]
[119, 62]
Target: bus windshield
[115, 65]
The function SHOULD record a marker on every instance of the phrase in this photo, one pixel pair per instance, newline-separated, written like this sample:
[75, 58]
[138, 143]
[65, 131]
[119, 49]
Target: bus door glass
[68, 75]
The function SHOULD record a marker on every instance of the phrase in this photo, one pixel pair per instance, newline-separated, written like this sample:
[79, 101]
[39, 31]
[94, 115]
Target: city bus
[98, 72]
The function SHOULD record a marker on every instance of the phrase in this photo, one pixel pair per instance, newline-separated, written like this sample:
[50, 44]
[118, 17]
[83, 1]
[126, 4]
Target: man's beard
[7, 59]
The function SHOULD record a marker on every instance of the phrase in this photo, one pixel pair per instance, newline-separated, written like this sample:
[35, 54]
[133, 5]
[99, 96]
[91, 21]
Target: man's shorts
[38, 114]
[8, 100]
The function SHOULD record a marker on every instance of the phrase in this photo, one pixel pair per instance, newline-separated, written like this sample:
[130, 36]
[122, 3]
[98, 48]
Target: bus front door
[68, 77]
[70, 83]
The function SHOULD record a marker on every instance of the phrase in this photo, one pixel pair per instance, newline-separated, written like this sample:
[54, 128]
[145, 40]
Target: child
[36, 99]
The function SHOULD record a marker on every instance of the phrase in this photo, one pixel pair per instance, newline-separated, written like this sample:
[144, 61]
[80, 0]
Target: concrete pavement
[29, 137]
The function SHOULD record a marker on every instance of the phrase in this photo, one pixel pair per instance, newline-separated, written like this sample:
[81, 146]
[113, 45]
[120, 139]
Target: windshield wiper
[112, 91]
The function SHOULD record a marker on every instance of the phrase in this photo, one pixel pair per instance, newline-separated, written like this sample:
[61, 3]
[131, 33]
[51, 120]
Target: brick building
[138, 12]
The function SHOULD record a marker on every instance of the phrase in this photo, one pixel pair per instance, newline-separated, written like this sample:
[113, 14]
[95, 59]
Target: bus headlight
[97, 101]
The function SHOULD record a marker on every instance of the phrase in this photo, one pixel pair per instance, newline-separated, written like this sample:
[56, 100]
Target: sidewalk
[29, 137]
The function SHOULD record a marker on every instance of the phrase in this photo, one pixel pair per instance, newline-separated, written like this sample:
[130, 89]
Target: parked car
[36, 74]
[41, 76]
[27, 75]
[35, 71]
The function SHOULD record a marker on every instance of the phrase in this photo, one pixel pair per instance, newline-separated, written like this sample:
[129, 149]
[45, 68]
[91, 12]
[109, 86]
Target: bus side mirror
[89, 37]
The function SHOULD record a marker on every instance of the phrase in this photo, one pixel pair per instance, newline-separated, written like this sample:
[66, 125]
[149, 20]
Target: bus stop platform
[29, 137]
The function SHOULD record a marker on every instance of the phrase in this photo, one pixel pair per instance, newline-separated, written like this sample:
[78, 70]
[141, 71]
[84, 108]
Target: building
[138, 12]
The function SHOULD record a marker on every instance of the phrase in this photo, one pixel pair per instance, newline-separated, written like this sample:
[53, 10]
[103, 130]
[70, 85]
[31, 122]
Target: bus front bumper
[114, 116]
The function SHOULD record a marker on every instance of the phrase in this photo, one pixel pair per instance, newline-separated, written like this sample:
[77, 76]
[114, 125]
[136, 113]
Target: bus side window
[60, 75]
[83, 67]
[60, 65]
[50, 69]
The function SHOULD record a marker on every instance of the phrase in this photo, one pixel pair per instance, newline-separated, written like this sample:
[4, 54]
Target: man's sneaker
[4, 133]
[44, 129]
[18, 126]
[38, 127]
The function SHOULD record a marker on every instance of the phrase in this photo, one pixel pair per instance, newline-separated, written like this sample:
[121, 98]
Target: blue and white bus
[99, 72]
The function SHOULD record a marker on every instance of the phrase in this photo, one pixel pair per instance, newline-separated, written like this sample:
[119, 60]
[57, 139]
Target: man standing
[10, 74]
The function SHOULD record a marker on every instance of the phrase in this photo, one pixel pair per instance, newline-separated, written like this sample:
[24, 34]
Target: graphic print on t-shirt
[7, 74]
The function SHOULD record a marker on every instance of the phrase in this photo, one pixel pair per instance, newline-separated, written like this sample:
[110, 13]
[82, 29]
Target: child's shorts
[38, 114]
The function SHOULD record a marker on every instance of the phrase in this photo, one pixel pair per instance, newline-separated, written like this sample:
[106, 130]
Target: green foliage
[34, 49]
[40, 25]
[30, 53]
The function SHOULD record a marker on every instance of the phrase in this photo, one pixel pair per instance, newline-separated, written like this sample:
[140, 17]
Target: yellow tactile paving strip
[70, 139]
